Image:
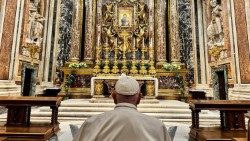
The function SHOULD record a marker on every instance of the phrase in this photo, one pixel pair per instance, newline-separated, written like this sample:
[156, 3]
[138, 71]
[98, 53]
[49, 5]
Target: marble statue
[35, 32]
[36, 28]
[216, 19]
[34, 4]
[215, 32]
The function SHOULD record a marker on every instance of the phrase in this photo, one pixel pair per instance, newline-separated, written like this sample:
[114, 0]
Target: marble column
[174, 32]
[76, 31]
[151, 23]
[89, 32]
[160, 32]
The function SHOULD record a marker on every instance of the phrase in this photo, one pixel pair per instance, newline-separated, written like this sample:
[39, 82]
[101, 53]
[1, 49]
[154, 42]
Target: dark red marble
[242, 40]
[7, 38]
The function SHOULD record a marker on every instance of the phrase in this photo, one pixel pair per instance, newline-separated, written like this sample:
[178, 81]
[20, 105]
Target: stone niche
[220, 82]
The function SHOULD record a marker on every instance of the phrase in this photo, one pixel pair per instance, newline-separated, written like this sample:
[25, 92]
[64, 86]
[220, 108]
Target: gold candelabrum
[124, 48]
[33, 48]
[125, 35]
[152, 70]
[97, 69]
[115, 69]
[133, 68]
[143, 69]
[106, 69]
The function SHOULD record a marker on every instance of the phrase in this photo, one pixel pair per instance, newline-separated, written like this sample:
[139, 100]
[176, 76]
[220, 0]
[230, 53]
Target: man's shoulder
[151, 119]
[98, 117]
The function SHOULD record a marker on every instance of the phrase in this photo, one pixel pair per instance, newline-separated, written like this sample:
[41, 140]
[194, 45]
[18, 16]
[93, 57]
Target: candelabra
[133, 68]
[143, 69]
[115, 69]
[106, 68]
[152, 70]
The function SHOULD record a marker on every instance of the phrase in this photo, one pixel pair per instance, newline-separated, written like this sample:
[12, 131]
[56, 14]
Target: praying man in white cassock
[124, 123]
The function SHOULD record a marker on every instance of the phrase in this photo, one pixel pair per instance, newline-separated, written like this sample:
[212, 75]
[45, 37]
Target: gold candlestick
[143, 69]
[124, 60]
[97, 69]
[133, 68]
[115, 69]
[106, 68]
[152, 70]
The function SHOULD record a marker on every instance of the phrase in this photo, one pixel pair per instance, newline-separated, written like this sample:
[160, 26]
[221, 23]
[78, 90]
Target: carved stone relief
[36, 23]
[215, 32]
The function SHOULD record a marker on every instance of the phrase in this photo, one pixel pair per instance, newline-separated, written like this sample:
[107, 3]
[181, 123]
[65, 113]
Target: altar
[102, 86]
[129, 37]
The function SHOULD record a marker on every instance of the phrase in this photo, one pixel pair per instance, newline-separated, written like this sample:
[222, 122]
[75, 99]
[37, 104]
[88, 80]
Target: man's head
[125, 15]
[127, 90]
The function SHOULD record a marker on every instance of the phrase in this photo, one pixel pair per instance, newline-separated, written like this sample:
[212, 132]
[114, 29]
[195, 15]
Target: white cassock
[124, 123]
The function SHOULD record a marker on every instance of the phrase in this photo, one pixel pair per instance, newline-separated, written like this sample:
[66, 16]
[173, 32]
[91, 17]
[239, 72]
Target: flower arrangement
[78, 65]
[171, 67]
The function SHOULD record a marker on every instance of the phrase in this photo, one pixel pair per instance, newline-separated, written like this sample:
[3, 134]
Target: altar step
[169, 111]
[8, 87]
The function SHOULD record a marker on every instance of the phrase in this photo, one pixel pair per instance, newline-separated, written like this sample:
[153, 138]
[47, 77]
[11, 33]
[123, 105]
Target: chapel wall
[24, 22]
[8, 26]
[224, 37]
[242, 40]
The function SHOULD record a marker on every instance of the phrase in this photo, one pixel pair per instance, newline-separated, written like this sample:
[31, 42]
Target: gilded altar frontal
[170, 47]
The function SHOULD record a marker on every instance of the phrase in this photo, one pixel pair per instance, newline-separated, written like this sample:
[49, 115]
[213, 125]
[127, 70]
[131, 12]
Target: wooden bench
[18, 124]
[232, 119]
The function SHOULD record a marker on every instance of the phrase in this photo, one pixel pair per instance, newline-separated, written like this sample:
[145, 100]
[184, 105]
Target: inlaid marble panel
[7, 38]
[65, 31]
[242, 39]
[186, 36]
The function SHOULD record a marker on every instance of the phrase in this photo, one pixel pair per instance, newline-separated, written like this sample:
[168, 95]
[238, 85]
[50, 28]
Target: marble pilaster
[7, 38]
[174, 32]
[151, 24]
[2, 13]
[89, 32]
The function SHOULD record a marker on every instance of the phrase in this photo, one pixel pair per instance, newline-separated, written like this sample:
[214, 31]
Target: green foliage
[70, 80]
[78, 65]
[171, 67]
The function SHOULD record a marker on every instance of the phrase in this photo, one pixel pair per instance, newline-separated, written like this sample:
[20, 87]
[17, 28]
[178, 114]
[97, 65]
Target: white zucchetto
[127, 85]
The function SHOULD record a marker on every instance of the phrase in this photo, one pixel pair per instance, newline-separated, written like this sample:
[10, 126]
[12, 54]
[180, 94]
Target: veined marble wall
[224, 36]
[242, 40]
[185, 21]
[7, 38]
[65, 31]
